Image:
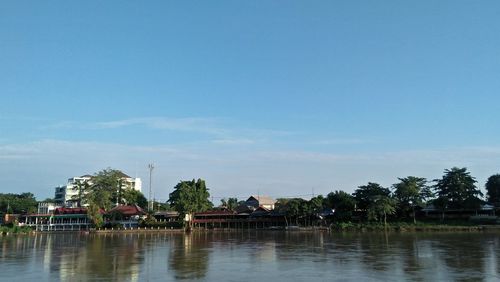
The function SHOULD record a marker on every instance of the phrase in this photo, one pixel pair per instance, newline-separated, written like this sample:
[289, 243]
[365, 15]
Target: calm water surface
[252, 256]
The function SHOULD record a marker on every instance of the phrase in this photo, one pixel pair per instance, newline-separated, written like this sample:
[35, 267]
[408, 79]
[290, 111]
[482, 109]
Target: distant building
[66, 195]
[261, 201]
[46, 208]
[127, 216]
[59, 219]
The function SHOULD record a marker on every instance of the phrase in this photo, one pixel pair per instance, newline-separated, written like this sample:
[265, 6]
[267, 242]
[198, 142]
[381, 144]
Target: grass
[5, 229]
[456, 225]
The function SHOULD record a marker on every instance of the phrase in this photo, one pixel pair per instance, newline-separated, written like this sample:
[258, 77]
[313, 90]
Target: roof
[214, 213]
[263, 200]
[128, 210]
[243, 208]
[122, 175]
[70, 211]
[167, 213]
[433, 208]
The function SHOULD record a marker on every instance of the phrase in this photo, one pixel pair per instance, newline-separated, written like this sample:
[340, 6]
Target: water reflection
[255, 255]
[190, 255]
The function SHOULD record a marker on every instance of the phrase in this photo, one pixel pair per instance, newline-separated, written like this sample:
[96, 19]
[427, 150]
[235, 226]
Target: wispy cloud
[341, 141]
[216, 130]
[41, 165]
[206, 125]
[234, 141]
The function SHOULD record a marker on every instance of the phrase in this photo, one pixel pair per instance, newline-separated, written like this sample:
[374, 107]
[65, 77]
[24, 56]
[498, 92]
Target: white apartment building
[65, 195]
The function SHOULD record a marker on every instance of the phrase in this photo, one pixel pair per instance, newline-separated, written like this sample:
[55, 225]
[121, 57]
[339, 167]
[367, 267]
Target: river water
[252, 256]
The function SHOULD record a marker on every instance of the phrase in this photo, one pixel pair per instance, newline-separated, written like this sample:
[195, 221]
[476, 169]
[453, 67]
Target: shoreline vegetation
[451, 203]
[343, 227]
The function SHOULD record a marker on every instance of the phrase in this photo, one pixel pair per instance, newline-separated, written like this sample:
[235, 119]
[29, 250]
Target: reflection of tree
[377, 251]
[100, 256]
[190, 255]
[464, 254]
[299, 245]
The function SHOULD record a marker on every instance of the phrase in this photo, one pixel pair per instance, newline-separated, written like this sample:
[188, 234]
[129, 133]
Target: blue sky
[273, 97]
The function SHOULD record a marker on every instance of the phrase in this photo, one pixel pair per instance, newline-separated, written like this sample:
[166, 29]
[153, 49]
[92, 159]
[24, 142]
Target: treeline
[18, 203]
[455, 190]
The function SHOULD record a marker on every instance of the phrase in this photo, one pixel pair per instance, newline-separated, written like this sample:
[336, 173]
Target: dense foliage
[230, 203]
[190, 196]
[457, 190]
[493, 189]
[18, 203]
[410, 192]
[104, 190]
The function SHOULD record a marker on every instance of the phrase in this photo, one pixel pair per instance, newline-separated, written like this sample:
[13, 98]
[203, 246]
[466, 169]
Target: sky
[278, 98]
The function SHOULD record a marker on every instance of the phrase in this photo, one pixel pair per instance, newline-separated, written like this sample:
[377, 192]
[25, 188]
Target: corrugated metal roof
[263, 200]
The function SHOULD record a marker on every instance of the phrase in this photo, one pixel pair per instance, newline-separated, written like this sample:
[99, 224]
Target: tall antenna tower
[151, 166]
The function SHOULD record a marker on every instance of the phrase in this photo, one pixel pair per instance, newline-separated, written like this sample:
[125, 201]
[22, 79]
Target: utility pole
[151, 166]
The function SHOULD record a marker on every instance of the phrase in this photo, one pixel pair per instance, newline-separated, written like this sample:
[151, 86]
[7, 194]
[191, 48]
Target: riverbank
[8, 230]
[338, 227]
[410, 227]
[137, 230]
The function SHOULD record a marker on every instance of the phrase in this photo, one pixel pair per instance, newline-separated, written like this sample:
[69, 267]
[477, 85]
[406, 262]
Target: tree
[411, 191]
[343, 204]
[103, 190]
[292, 208]
[18, 203]
[189, 197]
[316, 203]
[230, 203]
[381, 206]
[365, 194]
[133, 197]
[82, 187]
[493, 189]
[457, 189]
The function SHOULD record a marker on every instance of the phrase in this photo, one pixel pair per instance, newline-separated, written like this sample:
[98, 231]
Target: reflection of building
[67, 195]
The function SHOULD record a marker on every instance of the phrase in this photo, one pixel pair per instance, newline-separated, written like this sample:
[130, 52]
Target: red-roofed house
[128, 216]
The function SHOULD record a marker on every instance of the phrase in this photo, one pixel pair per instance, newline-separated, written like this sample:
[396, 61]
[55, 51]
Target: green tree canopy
[316, 204]
[457, 189]
[190, 196]
[380, 206]
[104, 190]
[18, 203]
[409, 192]
[230, 203]
[132, 196]
[343, 203]
[365, 194]
[493, 189]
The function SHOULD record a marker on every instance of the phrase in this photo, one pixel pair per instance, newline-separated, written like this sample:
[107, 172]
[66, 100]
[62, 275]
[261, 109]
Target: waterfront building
[66, 195]
[166, 216]
[223, 218]
[46, 207]
[125, 216]
[60, 219]
[261, 201]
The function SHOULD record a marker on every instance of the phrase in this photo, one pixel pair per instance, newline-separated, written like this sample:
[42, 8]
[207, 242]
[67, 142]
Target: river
[252, 256]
